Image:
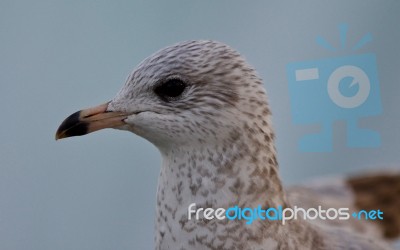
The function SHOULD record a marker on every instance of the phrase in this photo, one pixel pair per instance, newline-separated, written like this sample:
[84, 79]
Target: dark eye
[170, 89]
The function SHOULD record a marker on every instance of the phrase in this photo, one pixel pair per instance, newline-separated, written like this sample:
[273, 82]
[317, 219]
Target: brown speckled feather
[379, 191]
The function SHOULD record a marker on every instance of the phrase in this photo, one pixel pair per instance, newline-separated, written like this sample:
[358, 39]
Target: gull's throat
[217, 176]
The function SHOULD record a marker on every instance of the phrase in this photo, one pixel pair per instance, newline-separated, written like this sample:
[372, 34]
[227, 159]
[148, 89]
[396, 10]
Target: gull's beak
[89, 120]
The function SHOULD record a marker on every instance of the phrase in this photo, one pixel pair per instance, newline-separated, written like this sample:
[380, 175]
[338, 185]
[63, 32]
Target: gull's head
[194, 92]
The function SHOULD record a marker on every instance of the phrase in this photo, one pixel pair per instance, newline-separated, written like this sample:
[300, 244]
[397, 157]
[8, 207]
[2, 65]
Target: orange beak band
[89, 120]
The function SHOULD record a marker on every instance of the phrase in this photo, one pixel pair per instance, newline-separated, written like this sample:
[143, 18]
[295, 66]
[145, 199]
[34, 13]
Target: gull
[206, 110]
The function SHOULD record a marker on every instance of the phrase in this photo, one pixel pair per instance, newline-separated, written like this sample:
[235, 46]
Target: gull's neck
[221, 176]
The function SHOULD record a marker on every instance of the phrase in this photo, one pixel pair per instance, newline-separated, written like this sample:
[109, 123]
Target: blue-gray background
[98, 192]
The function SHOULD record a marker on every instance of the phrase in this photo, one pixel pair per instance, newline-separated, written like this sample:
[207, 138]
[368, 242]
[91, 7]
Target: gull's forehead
[191, 58]
[198, 50]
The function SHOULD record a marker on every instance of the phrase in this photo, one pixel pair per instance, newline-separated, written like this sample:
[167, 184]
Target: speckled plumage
[217, 145]
[218, 150]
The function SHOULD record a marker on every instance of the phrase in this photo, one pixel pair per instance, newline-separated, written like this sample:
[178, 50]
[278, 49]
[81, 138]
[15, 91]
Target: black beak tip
[72, 126]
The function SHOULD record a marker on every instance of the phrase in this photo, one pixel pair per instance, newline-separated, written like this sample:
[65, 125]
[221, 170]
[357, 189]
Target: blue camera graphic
[332, 89]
